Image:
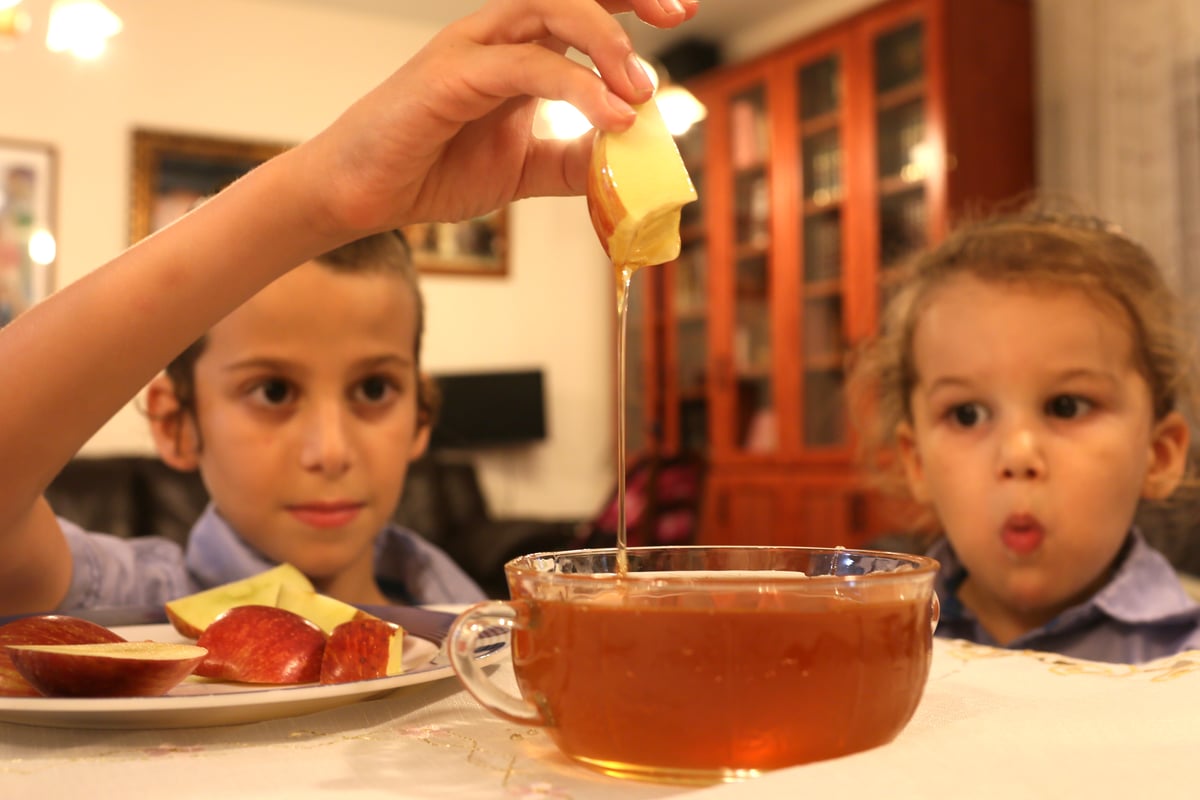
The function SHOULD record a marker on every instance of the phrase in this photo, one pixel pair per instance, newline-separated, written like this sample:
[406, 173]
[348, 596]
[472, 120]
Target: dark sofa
[443, 501]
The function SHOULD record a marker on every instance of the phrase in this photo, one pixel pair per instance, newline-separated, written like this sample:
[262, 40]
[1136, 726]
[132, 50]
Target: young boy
[447, 136]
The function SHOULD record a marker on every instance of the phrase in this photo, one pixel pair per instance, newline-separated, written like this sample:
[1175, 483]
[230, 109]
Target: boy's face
[306, 400]
[1033, 438]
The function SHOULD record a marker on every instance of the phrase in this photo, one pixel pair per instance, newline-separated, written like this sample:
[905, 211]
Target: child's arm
[446, 137]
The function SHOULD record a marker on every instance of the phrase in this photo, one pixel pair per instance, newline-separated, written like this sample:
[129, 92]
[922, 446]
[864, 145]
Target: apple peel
[262, 644]
[107, 669]
[44, 629]
[362, 649]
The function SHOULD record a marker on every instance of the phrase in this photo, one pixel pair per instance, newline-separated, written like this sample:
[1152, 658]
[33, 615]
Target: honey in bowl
[703, 664]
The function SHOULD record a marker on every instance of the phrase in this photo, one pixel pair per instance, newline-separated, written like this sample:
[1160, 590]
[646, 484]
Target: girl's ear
[914, 471]
[173, 428]
[1168, 456]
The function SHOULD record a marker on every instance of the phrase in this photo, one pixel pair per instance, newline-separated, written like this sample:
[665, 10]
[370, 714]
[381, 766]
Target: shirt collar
[1143, 591]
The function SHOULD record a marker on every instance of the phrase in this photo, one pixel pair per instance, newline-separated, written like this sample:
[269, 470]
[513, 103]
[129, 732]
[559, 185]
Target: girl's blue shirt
[1142, 613]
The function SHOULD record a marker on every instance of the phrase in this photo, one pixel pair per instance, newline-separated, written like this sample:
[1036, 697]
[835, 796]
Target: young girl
[1032, 377]
[447, 137]
[301, 410]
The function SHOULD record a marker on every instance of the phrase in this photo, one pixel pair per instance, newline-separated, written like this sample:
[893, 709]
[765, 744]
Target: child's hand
[448, 135]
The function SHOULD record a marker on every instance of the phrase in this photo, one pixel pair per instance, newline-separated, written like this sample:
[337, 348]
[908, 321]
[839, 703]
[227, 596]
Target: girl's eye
[968, 415]
[274, 391]
[1067, 406]
[374, 389]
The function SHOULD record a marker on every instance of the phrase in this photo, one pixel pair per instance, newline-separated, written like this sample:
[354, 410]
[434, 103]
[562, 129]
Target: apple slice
[637, 185]
[262, 644]
[108, 669]
[326, 611]
[191, 614]
[44, 629]
[361, 649]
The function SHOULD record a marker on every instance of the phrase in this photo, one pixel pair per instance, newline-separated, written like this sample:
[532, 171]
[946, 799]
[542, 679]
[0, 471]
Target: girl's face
[306, 402]
[1032, 437]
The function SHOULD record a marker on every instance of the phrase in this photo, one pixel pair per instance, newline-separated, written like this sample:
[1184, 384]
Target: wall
[278, 72]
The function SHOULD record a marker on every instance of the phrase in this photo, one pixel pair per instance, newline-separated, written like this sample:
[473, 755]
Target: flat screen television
[490, 409]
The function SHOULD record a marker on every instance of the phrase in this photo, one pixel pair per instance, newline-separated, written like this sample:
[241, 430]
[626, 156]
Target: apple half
[262, 644]
[44, 629]
[362, 649]
[192, 613]
[637, 186]
[107, 669]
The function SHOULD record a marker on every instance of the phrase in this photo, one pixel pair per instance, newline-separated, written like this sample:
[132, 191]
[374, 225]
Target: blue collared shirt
[1141, 614]
[114, 571]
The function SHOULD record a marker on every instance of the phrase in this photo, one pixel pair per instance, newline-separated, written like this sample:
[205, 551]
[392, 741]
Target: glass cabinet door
[903, 154]
[821, 147]
[753, 400]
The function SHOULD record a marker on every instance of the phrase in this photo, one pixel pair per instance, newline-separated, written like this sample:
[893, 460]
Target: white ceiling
[716, 19]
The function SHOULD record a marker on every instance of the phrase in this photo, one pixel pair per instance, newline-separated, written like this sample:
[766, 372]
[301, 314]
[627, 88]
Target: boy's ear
[1168, 456]
[914, 471]
[420, 441]
[173, 429]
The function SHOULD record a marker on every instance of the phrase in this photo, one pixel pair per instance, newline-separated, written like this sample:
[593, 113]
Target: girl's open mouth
[1022, 534]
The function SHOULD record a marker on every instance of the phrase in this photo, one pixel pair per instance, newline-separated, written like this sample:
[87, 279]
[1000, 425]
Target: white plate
[198, 702]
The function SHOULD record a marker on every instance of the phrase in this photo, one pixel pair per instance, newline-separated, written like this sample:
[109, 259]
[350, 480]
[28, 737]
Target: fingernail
[671, 6]
[638, 75]
[620, 106]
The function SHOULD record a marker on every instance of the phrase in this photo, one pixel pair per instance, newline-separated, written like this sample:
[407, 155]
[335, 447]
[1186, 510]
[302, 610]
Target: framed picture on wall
[477, 246]
[27, 237]
[171, 171]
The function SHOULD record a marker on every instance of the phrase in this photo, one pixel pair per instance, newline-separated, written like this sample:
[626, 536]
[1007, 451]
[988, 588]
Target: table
[992, 723]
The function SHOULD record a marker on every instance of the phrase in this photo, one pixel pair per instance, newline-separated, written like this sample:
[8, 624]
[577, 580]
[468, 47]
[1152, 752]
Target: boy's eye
[274, 391]
[1067, 406]
[968, 415]
[374, 389]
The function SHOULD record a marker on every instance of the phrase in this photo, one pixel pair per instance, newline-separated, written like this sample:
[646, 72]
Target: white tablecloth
[992, 723]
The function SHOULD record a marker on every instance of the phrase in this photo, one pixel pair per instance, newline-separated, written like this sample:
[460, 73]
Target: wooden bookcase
[819, 167]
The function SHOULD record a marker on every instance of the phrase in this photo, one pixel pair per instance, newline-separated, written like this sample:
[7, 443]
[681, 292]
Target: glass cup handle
[935, 613]
[464, 633]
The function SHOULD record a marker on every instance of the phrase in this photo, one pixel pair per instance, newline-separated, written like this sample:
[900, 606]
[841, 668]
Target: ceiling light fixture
[81, 27]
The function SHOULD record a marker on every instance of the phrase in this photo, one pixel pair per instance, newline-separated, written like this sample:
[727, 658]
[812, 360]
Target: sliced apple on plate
[107, 669]
[327, 612]
[262, 644]
[44, 629]
[191, 614]
[362, 649]
[637, 186]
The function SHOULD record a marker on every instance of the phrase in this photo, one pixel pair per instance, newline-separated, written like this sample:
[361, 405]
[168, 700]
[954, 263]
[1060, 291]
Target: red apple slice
[44, 629]
[361, 649]
[637, 186]
[191, 614]
[262, 644]
[110, 669]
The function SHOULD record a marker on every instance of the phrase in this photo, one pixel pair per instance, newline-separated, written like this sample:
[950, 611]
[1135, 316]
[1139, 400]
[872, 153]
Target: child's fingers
[587, 26]
[556, 167]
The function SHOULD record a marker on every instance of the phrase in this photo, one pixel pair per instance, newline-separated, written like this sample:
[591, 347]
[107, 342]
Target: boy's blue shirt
[142, 571]
[1142, 613]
